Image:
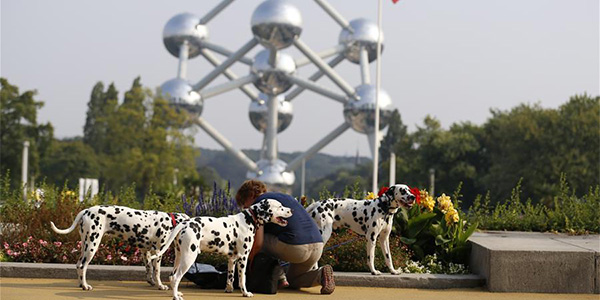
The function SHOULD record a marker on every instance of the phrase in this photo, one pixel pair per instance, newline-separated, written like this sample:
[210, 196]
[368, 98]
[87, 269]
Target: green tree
[18, 123]
[100, 107]
[446, 151]
[69, 160]
[399, 141]
[539, 145]
[145, 145]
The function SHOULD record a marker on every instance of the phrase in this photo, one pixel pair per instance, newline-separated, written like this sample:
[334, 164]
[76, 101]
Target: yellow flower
[427, 201]
[370, 196]
[452, 216]
[444, 203]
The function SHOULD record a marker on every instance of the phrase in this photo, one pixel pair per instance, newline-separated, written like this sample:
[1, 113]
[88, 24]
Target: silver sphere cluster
[275, 25]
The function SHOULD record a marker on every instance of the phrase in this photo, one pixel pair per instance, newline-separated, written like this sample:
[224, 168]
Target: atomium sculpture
[276, 25]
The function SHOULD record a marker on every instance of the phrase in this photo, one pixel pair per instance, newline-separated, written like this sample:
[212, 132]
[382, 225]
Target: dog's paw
[86, 287]
[151, 282]
[229, 289]
[375, 272]
[163, 287]
[395, 272]
[248, 294]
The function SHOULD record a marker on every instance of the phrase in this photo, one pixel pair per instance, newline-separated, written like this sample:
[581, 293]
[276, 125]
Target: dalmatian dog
[370, 218]
[146, 229]
[232, 236]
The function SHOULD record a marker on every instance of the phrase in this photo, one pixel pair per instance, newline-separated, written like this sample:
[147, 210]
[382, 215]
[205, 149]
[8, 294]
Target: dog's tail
[68, 230]
[166, 244]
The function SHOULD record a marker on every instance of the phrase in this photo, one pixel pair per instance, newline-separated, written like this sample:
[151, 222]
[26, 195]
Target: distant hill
[317, 167]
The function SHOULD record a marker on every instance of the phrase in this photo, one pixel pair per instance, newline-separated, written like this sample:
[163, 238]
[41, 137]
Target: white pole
[271, 131]
[392, 168]
[24, 166]
[378, 84]
[432, 181]
[184, 51]
[303, 182]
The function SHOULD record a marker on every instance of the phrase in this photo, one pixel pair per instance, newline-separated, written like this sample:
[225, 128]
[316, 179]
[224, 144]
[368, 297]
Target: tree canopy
[18, 123]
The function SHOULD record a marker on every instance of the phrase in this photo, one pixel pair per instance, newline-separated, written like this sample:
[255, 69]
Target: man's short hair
[250, 188]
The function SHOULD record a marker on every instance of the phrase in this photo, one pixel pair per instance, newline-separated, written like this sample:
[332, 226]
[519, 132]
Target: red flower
[382, 191]
[415, 191]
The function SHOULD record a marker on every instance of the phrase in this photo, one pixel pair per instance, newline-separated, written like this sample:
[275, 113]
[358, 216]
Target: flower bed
[32, 240]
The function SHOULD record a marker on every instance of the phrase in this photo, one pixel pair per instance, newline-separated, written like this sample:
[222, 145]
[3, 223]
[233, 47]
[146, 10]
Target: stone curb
[137, 273]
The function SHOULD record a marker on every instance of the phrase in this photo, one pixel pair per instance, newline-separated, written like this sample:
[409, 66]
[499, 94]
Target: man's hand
[258, 243]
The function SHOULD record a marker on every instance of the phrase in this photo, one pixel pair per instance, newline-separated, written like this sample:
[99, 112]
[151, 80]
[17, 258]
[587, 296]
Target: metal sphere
[276, 24]
[273, 78]
[184, 27]
[361, 114]
[273, 174]
[365, 34]
[181, 95]
[259, 111]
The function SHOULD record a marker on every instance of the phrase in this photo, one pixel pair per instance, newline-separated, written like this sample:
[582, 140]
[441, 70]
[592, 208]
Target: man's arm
[258, 243]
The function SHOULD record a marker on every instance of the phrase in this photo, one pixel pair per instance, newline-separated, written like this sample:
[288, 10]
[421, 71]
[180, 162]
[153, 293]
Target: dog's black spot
[193, 247]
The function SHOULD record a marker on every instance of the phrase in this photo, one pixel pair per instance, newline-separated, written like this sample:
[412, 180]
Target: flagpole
[378, 88]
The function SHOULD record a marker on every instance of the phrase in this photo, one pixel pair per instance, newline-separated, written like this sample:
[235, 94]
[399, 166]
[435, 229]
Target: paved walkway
[54, 289]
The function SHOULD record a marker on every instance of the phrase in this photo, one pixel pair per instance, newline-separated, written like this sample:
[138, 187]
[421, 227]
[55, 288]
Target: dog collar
[173, 220]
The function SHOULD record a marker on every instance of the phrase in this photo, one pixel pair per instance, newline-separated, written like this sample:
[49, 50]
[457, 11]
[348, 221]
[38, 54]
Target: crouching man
[298, 243]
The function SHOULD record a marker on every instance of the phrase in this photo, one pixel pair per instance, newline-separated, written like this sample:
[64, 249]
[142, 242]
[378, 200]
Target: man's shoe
[327, 281]
[283, 283]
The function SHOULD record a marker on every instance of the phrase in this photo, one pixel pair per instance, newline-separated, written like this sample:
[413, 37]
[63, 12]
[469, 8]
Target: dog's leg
[89, 248]
[384, 242]
[149, 270]
[156, 274]
[327, 229]
[187, 258]
[371, 255]
[230, 271]
[242, 264]
[176, 294]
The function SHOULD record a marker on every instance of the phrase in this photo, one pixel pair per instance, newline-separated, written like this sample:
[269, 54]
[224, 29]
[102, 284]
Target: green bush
[567, 213]
[346, 251]
[436, 228]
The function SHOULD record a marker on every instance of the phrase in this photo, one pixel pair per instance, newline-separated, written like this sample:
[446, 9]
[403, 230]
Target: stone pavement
[99, 272]
[537, 262]
[65, 289]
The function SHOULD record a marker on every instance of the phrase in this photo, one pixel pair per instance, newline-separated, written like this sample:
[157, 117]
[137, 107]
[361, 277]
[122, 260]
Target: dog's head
[271, 211]
[400, 195]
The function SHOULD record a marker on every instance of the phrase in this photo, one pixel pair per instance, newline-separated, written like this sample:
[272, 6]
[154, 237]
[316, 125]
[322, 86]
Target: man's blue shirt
[300, 230]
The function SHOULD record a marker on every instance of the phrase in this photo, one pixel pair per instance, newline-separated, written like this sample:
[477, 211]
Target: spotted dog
[231, 236]
[146, 229]
[369, 218]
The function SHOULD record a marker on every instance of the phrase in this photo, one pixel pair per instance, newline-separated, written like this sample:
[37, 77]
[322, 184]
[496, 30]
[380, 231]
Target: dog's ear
[390, 191]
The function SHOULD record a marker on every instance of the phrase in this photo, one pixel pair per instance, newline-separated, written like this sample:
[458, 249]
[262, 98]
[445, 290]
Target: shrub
[568, 213]
[346, 251]
[440, 230]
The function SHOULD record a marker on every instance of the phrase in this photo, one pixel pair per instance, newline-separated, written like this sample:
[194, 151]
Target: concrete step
[137, 273]
[537, 262]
